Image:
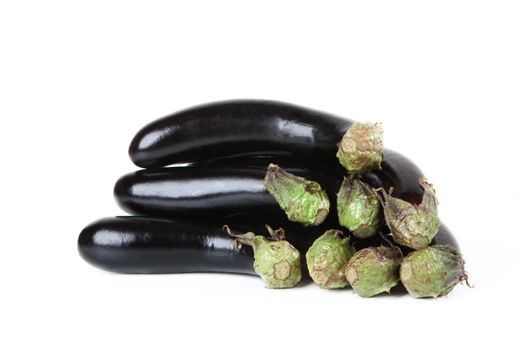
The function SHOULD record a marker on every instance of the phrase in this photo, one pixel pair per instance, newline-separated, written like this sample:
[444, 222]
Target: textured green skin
[359, 208]
[302, 200]
[374, 270]
[361, 148]
[412, 225]
[433, 271]
[277, 262]
[327, 259]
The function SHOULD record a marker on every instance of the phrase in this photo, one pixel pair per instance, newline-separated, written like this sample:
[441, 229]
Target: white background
[78, 79]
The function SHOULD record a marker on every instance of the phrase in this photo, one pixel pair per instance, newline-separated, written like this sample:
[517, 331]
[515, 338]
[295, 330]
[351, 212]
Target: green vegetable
[302, 200]
[276, 261]
[433, 271]
[327, 258]
[359, 208]
[412, 225]
[361, 148]
[374, 270]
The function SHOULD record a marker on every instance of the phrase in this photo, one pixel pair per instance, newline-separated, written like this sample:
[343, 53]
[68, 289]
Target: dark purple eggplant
[239, 128]
[230, 131]
[210, 191]
[135, 244]
[158, 245]
[155, 245]
[399, 172]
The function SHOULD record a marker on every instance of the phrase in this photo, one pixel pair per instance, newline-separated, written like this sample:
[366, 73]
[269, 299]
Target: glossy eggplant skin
[134, 244]
[208, 191]
[155, 245]
[401, 173]
[238, 128]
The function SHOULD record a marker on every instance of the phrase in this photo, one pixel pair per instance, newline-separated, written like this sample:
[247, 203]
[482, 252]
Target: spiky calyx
[361, 148]
[359, 208]
[303, 201]
[327, 258]
[433, 271]
[276, 261]
[374, 270]
[412, 225]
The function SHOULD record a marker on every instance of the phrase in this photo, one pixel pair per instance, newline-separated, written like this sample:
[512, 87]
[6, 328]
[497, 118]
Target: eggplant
[156, 245]
[135, 244]
[213, 189]
[230, 131]
[150, 245]
[209, 191]
[239, 128]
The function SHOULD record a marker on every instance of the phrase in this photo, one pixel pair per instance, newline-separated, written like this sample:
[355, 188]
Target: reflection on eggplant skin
[154, 137]
[295, 130]
[189, 188]
[110, 238]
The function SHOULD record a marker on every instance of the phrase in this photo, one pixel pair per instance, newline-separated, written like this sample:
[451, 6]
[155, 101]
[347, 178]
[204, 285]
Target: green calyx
[412, 225]
[361, 148]
[432, 271]
[302, 200]
[275, 260]
[374, 270]
[359, 208]
[327, 258]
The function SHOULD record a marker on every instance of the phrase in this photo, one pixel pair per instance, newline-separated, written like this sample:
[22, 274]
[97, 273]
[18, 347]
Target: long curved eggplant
[229, 131]
[239, 128]
[155, 245]
[135, 244]
[209, 191]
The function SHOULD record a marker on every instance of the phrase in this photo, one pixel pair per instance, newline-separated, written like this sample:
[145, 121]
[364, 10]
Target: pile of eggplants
[205, 167]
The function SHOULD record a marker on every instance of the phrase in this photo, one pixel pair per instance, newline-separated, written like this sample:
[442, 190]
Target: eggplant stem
[246, 238]
[277, 235]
